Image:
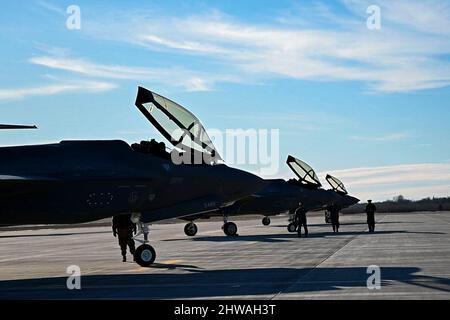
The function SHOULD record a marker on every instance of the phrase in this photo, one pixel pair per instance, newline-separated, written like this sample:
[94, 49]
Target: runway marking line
[172, 261]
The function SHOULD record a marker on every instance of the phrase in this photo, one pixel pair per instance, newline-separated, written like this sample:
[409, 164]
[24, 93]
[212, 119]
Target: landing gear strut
[190, 229]
[229, 228]
[292, 226]
[266, 221]
[144, 255]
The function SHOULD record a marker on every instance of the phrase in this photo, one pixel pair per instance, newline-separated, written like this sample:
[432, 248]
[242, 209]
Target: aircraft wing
[14, 126]
[184, 209]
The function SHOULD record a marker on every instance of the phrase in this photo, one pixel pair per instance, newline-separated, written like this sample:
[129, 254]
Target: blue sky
[371, 106]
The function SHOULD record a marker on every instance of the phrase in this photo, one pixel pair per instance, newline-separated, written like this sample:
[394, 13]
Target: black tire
[327, 217]
[266, 221]
[292, 227]
[230, 229]
[145, 255]
[190, 229]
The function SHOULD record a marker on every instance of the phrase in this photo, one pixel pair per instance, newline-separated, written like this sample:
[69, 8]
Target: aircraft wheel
[291, 227]
[230, 228]
[266, 221]
[145, 255]
[190, 229]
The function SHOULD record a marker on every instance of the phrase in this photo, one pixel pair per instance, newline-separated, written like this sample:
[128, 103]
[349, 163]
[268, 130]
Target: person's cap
[369, 200]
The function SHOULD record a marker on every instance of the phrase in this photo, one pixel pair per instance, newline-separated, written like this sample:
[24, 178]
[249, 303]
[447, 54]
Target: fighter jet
[345, 200]
[278, 197]
[82, 181]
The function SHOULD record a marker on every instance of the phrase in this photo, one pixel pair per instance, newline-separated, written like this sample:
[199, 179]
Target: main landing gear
[190, 229]
[144, 255]
[229, 228]
[266, 221]
[292, 226]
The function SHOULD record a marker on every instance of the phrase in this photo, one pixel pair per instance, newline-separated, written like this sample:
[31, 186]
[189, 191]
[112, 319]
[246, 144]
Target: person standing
[123, 227]
[334, 216]
[300, 215]
[370, 211]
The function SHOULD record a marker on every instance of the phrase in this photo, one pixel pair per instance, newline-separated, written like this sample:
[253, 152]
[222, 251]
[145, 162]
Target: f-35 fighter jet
[81, 181]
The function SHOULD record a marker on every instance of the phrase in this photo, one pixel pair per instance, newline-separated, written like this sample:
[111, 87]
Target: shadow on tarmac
[217, 283]
[292, 236]
[51, 234]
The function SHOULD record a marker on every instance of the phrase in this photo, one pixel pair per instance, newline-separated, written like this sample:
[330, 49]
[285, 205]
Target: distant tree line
[400, 204]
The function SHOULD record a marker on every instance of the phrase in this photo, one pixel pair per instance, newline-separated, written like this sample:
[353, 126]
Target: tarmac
[412, 251]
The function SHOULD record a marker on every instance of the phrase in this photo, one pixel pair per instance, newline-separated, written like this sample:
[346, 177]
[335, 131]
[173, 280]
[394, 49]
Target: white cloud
[411, 180]
[390, 60]
[81, 86]
[178, 77]
[51, 7]
[430, 16]
[413, 193]
[383, 138]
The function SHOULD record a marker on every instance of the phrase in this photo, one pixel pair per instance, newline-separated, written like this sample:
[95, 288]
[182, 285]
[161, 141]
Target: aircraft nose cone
[351, 200]
[250, 183]
[243, 184]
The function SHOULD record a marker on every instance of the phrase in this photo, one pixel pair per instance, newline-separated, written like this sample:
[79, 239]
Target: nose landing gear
[145, 254]
[292, 226]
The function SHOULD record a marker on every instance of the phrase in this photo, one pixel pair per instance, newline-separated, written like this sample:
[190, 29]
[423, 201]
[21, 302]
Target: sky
[370, 106]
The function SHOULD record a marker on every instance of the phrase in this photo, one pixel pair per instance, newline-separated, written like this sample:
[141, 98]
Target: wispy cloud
[51, 7]
[429, 16]
[52, 89]
[174, 76]
[383, 138]
[393, 59]
[412, 180]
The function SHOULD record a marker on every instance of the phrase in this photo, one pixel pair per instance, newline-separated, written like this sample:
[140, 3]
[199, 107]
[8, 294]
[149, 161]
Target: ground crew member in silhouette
[334, 216]
[300, 217]
[370, 211]
[124, 228]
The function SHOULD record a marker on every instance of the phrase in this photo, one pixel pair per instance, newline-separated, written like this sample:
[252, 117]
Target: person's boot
[124, 259]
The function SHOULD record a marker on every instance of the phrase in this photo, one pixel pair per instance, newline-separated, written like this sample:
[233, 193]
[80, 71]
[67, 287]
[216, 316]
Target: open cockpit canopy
[336, 184]
[304, 172]
[176, 124]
